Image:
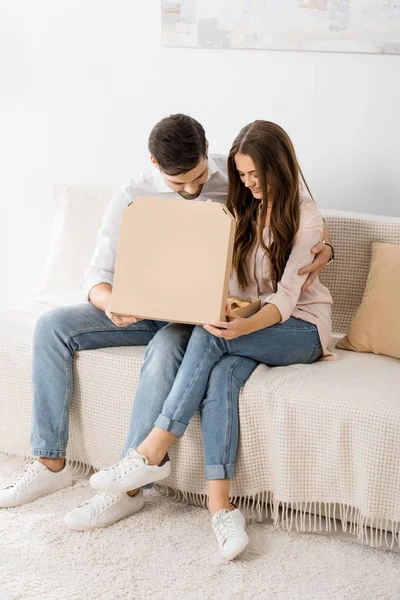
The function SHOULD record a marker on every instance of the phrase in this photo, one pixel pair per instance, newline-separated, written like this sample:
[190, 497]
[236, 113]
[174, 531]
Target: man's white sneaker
[105, 508]
[36, 480]
[228, 526]
[130, 473]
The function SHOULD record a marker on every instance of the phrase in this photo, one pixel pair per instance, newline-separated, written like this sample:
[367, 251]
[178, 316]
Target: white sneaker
[36, 480]
[130, 473]
[105, 508]
[228, 526]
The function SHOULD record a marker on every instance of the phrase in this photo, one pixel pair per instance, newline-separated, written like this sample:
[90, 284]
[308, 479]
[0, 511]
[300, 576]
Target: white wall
[83, 81]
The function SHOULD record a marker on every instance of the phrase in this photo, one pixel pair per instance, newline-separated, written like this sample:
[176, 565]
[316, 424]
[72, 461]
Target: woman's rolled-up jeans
[294, 341]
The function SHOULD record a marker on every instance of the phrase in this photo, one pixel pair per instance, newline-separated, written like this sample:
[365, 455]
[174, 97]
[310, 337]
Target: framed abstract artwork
[371, 26]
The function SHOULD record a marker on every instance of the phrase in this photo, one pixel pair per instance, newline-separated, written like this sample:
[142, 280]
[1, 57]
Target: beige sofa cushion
[376, 325]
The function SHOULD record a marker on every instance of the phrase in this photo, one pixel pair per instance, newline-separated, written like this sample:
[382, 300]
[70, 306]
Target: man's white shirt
[152, 183]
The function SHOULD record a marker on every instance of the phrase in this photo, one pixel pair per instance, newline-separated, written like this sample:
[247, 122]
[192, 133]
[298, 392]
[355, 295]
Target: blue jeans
[294, 341]
[62, 331]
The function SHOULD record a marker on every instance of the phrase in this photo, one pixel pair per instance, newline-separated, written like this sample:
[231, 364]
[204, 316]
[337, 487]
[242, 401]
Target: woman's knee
[232, 369]
[222, 371]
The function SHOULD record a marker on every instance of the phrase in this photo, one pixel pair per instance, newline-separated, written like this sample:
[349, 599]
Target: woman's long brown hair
[273, 155]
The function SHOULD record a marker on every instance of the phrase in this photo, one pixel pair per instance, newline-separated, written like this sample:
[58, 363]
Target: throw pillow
[376, 325]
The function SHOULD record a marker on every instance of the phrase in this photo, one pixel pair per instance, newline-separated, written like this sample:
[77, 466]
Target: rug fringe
[292, 516]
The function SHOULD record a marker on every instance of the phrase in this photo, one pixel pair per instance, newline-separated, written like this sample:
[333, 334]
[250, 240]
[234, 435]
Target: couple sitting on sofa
[186, 368]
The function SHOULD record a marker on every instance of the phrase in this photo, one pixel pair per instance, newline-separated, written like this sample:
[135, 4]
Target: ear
[153, 160]
[207, 145]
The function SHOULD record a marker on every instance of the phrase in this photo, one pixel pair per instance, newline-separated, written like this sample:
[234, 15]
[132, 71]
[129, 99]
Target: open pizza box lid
[174, 261]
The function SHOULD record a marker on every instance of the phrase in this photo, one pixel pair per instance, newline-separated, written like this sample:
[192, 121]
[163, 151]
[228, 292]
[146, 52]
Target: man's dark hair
[178, 143]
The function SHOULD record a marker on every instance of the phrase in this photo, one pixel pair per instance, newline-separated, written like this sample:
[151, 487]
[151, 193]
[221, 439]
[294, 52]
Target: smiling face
[248, 175]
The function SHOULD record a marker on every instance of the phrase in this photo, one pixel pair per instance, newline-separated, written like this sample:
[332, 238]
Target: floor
[167, 551]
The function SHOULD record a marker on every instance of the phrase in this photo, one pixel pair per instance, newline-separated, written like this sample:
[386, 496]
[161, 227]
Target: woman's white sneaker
[105, 508]
[229, 528]
[130, 473]
[36, 480]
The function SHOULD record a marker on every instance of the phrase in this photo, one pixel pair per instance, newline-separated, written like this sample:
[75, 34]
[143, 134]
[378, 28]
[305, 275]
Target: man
[179, 153]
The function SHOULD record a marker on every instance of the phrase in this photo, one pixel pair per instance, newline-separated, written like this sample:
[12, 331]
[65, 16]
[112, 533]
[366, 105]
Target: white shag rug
[168, 551]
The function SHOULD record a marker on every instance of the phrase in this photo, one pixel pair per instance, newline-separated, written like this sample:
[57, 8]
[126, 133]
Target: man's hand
[120, 321]
[236, 326]
[323, 254]
[100, 297]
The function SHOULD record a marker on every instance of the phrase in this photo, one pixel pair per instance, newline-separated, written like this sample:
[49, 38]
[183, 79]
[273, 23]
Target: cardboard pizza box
[174, 261]
[253, 305]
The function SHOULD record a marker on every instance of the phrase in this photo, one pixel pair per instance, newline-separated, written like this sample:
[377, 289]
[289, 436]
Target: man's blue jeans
[62, 331]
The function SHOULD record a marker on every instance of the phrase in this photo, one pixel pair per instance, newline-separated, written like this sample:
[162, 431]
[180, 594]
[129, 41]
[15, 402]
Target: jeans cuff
[49, 453]
[219, 471]
[174, 427]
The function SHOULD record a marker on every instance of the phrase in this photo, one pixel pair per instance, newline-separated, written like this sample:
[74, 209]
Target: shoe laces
[101, 502]
[224, 527]
[28, 474]
[128, 464]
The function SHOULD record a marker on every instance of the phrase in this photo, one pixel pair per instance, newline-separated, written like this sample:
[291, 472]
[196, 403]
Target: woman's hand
[236, 326]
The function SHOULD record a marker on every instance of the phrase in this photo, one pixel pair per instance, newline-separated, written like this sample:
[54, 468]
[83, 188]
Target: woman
[277, 224]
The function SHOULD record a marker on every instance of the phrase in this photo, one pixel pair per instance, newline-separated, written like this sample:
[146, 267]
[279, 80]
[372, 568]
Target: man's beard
[191, 196]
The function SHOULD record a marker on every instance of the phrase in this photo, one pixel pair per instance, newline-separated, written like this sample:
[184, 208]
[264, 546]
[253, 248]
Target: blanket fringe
[78, 468]
[24, 459]
[264, 505]
[378, 533]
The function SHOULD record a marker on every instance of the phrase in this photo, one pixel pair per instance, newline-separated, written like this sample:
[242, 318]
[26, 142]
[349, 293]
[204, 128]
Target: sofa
[319, 444]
